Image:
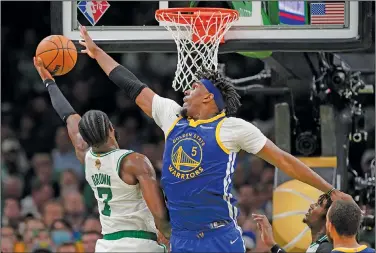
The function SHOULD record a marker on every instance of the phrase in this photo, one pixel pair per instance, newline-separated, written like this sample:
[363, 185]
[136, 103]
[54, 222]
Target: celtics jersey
[315, 245]
[121, 206]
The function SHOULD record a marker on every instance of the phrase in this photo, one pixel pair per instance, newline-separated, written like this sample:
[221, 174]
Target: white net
[197, 37]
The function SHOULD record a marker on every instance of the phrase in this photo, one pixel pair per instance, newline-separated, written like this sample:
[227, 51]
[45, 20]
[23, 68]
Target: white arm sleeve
[237, 134]
[164, 112]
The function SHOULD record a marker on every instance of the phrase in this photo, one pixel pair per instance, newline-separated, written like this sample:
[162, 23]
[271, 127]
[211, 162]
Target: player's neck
[317, 233]
[345, 242]
[206, 115]
[104, 148]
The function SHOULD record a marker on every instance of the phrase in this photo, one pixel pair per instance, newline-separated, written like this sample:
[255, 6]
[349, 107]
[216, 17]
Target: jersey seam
[120, 159]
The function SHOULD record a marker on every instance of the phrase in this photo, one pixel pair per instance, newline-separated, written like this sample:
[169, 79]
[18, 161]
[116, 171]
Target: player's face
[315, 214]
[194, 99]
[114, 135]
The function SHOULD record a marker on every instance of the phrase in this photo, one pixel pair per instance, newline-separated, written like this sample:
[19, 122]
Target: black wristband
[48, 82]
[330, 192]
[59, 102]
[277, 249]
[127, 81]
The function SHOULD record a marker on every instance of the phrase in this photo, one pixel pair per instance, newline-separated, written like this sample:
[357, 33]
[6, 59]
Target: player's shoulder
[133, 159]
[234, 122]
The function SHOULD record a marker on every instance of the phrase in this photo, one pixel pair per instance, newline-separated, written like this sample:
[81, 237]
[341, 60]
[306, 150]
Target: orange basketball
[58, 54]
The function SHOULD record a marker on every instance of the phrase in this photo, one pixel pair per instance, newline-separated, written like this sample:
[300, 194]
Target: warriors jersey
[360, 249]
[121, 206]
[198, 163]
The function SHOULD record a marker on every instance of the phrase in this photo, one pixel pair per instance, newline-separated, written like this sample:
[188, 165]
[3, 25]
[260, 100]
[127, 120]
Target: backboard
[130, 26]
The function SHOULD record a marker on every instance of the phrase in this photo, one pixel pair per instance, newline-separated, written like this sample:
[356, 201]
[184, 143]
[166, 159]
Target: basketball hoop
[197, 33]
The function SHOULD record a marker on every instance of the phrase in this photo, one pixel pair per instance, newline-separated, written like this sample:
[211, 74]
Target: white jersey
[121, 206]
[235, 134]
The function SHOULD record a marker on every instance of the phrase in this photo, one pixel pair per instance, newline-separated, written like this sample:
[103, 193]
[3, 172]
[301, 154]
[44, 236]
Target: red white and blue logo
[93, 10]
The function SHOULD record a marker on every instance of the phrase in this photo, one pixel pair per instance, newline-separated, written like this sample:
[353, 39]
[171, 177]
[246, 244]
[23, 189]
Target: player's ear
[208, 97]
[111, 128]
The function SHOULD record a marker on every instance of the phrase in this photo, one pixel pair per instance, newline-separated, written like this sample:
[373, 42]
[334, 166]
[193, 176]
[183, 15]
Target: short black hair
[227, 89]
[346, 217]
[64, 222]
[327, 205]
[94, 127]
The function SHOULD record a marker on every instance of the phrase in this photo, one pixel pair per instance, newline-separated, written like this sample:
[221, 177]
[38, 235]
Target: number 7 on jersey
[105, 191]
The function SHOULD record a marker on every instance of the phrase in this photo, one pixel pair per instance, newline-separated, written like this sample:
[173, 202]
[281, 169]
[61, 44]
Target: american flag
[328, 13]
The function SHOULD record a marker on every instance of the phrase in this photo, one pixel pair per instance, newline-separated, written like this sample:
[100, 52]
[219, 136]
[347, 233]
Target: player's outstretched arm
[298, 170]
[137, 168]
[121, 76]
[63, 109]
[249, 138]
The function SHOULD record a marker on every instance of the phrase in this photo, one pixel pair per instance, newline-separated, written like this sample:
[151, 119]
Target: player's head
[316, 215]
[211, 93]
[343, 220]
[96, 129]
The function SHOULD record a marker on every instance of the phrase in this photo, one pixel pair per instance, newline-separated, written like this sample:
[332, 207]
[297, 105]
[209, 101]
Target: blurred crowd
[47, 206]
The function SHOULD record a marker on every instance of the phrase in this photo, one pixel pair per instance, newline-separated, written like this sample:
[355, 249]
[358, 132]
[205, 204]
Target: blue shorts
[224, 239]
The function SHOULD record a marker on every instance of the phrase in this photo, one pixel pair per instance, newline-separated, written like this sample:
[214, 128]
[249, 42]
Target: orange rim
[187, 13]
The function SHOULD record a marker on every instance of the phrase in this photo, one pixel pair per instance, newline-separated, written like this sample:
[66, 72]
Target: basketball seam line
[49, 50]
[69, 52]
[61, 71]
[54, 57]
[50, 40]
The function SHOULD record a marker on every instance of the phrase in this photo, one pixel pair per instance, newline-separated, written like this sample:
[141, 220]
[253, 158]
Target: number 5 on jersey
[108, 194]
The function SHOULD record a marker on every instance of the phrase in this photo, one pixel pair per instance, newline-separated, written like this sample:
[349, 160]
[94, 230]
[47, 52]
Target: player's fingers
[39, 62]
[82, 43]
[258, 216]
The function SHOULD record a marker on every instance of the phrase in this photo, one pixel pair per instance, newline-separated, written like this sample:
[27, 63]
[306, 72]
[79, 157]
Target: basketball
[291, 201]
[58, 53]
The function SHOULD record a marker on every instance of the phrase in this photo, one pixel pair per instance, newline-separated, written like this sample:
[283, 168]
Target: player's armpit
[139, 167]
[292, 166]
[79, 144]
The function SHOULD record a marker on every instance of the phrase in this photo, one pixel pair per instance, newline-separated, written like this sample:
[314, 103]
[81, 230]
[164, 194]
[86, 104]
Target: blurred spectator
[13, 187]
[52, 211]
[11, 213]
[64, 155]
[33, 227]
[8, 232]
[61, 232]
[67, 248]
[89, 239]
[256, 166]
[7, 245]
[33, 204]
[68, 181]
[42, 172]
[14, 161]
[246, 198]
[92, 224]
[75, 210]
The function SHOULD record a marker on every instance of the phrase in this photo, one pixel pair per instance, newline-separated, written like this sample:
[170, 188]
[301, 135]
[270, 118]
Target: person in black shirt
[315, 219]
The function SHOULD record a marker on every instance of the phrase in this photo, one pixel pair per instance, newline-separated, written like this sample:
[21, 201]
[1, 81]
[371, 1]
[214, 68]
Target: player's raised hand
[90, 47]
[265, 228]
[338, 195]
[43, 72]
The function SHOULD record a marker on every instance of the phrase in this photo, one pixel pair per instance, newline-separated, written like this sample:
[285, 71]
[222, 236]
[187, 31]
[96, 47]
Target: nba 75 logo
[93, 10]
